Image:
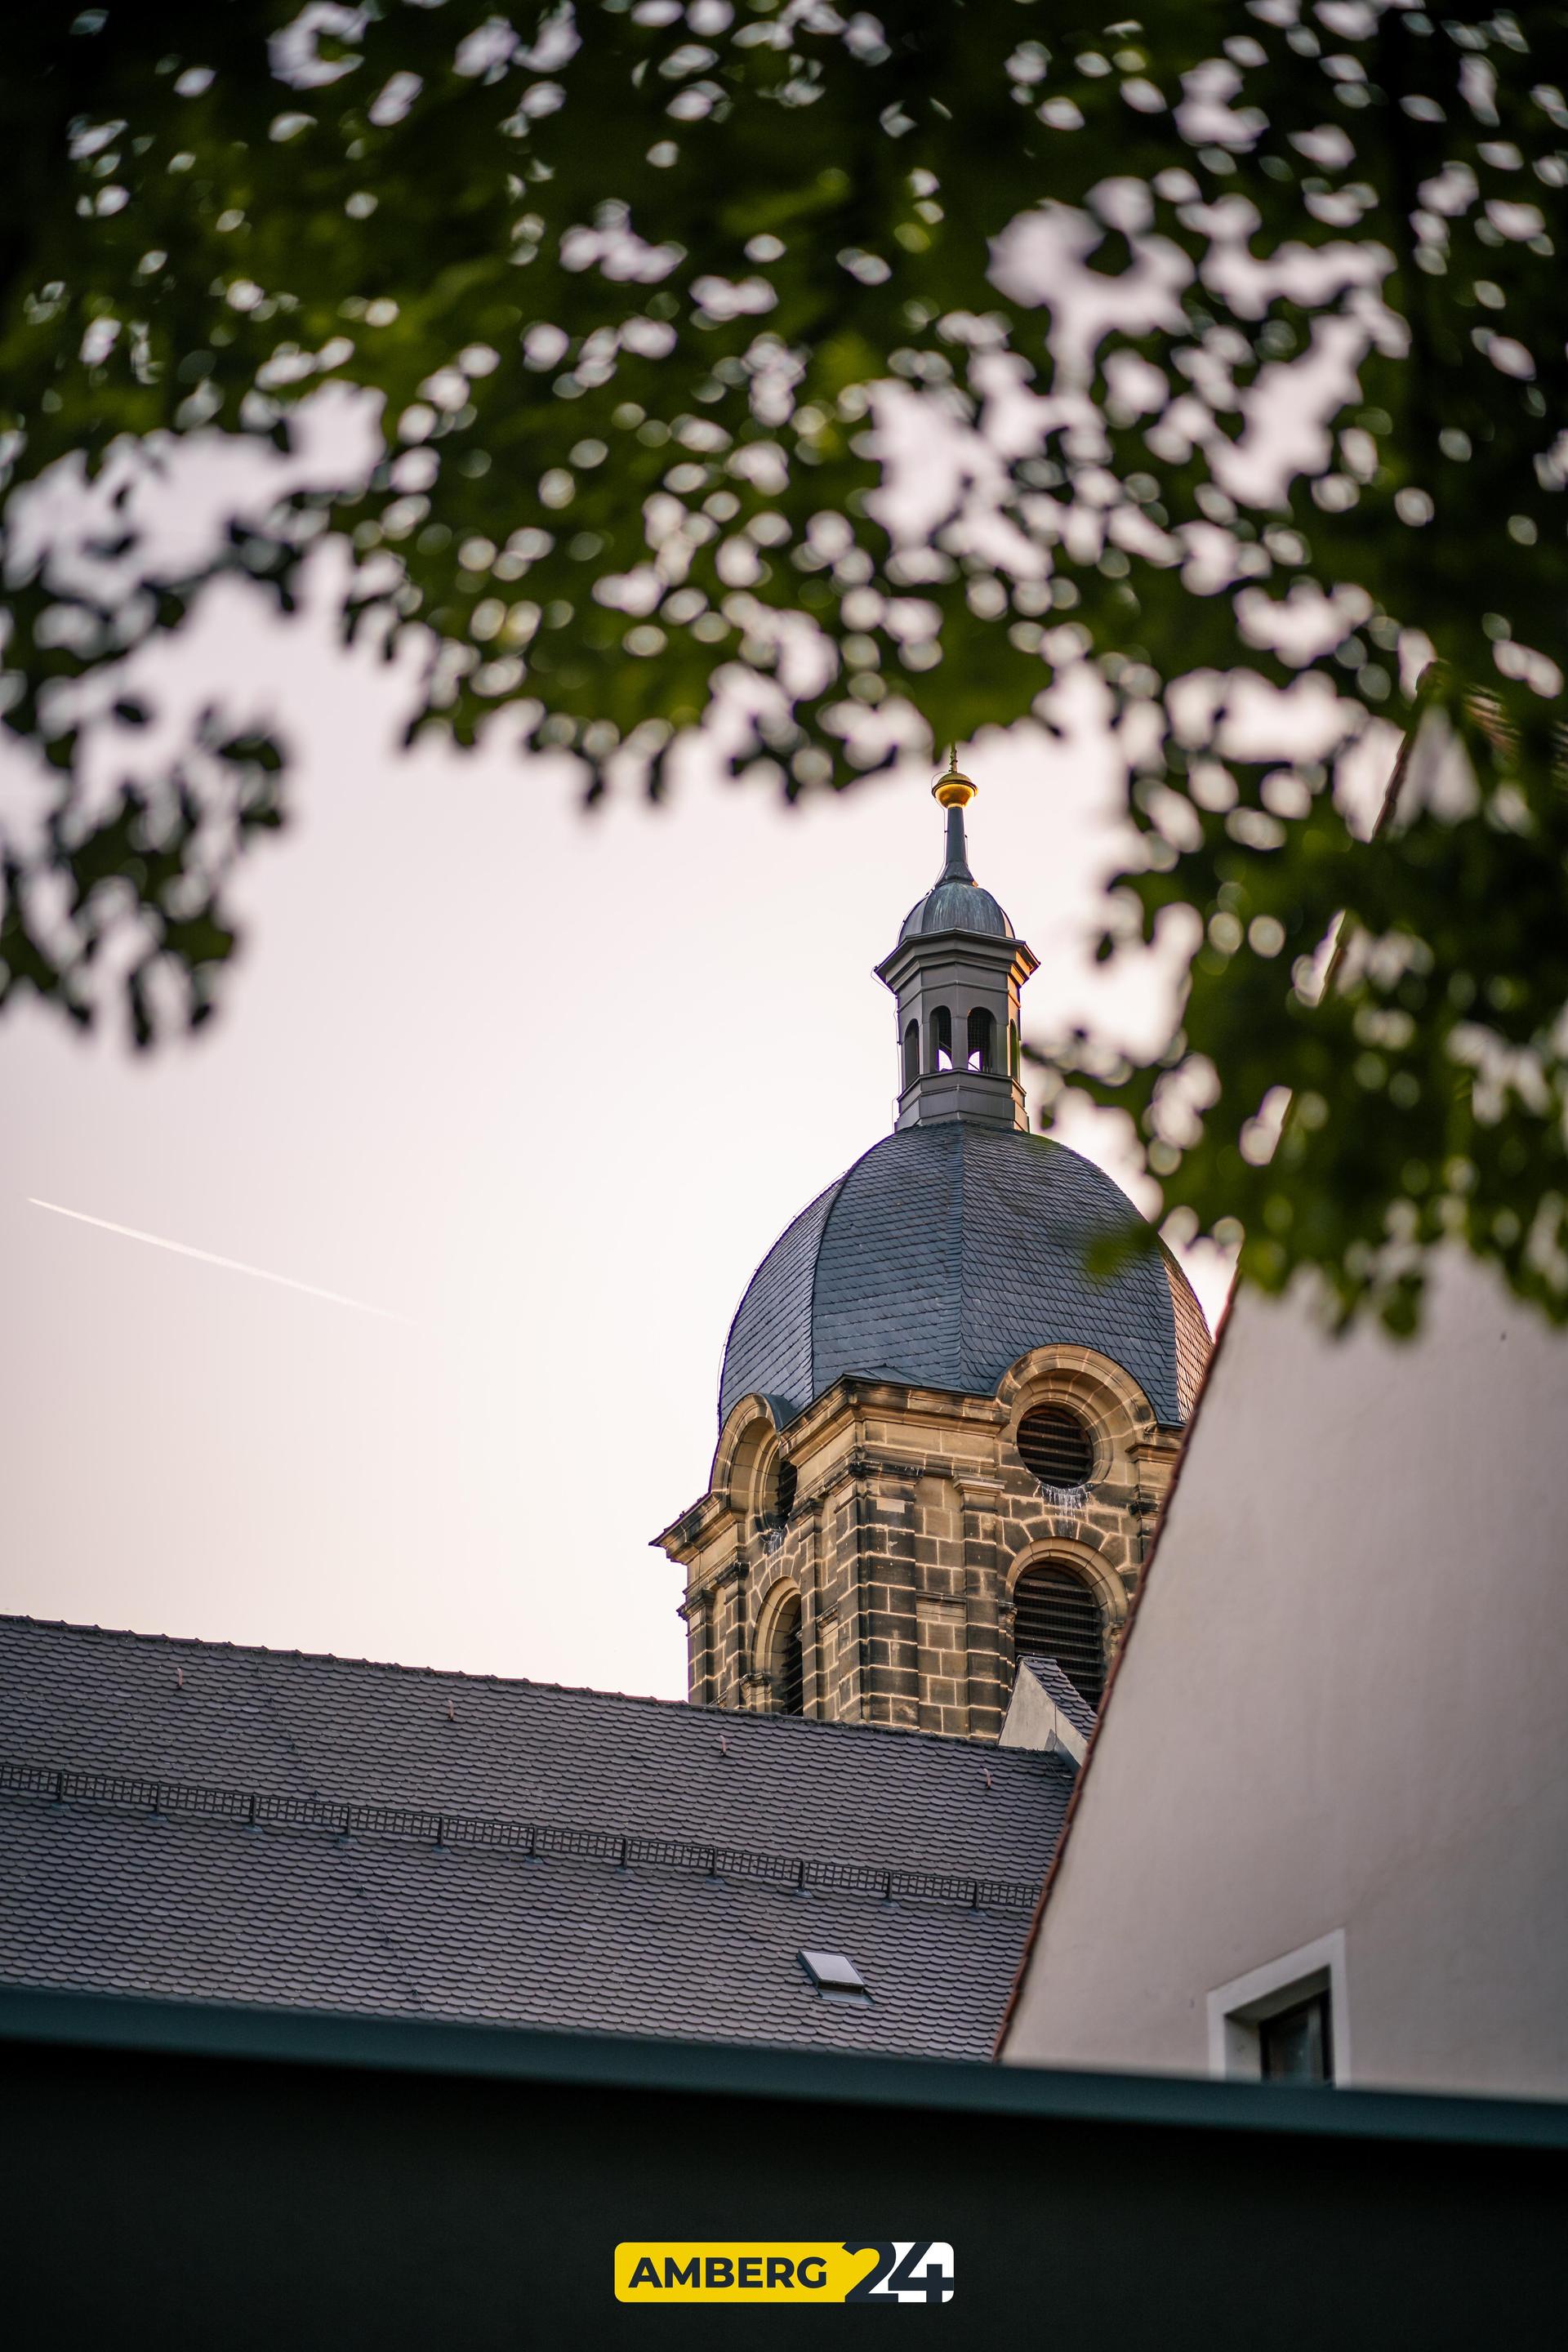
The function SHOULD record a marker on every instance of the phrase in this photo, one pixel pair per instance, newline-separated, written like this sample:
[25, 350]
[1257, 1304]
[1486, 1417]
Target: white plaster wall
[1343, 1705]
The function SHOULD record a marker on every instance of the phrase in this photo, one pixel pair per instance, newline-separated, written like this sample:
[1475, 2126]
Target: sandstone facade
[903, 1518]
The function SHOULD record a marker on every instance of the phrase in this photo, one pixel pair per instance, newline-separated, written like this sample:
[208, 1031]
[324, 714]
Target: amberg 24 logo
[860, 2270]
[764, 2270]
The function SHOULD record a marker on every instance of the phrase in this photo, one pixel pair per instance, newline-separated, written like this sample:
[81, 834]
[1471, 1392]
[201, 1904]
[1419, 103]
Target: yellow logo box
[813, 2270]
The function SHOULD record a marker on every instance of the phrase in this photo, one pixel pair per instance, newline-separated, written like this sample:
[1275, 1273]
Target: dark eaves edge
[42, 2017]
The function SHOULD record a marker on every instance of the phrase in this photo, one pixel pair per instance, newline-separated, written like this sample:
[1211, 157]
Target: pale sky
[548, 1085]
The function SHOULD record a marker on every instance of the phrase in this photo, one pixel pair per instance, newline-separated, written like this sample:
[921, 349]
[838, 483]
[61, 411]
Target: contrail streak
[232, 1265]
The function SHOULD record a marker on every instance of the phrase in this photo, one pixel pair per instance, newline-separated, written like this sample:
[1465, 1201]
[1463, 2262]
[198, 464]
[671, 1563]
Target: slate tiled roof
[769, 1347]
[1194, 1344]
[955, 907]
[1064, 1693]
[102, 1891]
[946, 1253]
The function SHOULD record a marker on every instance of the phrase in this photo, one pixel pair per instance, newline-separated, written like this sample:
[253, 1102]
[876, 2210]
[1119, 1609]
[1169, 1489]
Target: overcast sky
[544, 1086]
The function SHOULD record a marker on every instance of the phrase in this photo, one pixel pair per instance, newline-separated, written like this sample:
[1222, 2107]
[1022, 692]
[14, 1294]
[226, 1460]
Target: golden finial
[951, 789]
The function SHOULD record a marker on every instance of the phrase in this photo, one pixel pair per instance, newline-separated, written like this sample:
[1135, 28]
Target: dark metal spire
[954, 792]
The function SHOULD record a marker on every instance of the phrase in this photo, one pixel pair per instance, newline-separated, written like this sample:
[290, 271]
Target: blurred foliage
[840, 383]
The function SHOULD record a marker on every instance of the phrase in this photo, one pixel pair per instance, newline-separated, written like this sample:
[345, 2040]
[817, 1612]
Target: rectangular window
[1288, 2022]
[1297, 2044]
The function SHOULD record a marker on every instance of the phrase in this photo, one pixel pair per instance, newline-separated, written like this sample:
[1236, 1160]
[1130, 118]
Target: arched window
[911, 1053]
[776, 1499]
[982, 1039]
[1057, 1616]
[941, 1039]
[784, 1488]
[786, 1662]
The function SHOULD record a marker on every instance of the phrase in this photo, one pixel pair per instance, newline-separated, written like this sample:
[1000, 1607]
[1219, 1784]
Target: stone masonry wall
[913, 1516]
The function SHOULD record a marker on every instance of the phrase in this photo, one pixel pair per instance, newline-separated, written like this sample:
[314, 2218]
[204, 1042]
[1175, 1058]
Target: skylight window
[835, 1978]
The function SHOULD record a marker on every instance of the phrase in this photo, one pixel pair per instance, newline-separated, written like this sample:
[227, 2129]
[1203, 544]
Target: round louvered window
[1056, 1446]
[1057, 1616]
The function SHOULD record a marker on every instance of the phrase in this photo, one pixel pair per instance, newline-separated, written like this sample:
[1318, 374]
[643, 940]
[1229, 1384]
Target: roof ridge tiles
[206, 1803]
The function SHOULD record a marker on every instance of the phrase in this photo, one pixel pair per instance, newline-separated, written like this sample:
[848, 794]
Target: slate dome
[944, 1254]
[955, 906]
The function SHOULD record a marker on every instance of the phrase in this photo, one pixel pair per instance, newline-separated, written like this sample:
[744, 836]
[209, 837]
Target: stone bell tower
[947, 1414]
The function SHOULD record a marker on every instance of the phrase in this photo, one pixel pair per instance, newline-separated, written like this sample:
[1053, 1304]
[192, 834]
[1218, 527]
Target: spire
[956, 976]
[954, 792]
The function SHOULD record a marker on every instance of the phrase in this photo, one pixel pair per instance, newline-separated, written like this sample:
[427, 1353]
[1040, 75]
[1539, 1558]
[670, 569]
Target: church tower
[949, 1404]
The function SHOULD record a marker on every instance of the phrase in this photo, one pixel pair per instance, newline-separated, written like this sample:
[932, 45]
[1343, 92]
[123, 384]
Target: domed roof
[943, 1256]
[956, 907]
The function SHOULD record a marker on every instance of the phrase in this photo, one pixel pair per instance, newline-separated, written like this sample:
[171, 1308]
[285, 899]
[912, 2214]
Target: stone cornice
[850, 1395]
[694, 1527]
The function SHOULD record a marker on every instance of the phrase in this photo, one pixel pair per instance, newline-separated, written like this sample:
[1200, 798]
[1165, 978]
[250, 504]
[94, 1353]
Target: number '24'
[908, 2270]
